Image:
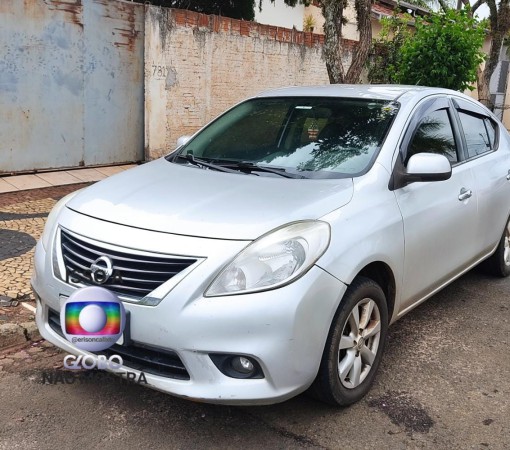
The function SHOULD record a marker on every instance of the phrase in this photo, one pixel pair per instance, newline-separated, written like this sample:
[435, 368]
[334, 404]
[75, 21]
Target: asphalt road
[444, 383]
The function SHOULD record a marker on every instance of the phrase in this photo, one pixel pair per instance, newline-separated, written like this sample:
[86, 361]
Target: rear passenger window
[434, 135]
[478, 138]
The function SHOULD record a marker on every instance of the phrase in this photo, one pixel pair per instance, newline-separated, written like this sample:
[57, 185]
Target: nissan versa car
[268, 253]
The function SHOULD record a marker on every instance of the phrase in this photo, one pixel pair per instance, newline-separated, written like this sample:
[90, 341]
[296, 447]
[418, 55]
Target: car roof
[407, 96]
[370, 91]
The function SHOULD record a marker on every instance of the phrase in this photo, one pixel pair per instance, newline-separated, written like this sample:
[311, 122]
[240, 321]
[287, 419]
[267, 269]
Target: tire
[359, 360]
[499, 263]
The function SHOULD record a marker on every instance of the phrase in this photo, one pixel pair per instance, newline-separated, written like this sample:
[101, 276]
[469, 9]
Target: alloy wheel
[359, 343]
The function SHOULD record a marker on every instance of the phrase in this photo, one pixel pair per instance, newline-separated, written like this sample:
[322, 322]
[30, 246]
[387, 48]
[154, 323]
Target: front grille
[144, 358]
[133, 275]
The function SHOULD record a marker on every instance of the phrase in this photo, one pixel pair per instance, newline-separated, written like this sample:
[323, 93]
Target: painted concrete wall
[280, 15]
[196, 66]
[350, 28]
[71, 83]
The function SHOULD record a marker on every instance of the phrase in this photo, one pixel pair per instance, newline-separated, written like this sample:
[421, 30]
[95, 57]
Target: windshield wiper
[201, 163]
[236, 167]
[244, 165]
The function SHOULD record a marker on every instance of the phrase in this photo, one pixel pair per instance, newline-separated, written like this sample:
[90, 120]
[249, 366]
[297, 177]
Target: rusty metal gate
[71, 83]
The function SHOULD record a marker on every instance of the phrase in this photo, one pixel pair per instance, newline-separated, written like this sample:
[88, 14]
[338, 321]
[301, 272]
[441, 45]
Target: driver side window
[434, 135]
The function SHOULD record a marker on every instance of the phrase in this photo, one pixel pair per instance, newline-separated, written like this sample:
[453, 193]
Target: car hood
[181, 199]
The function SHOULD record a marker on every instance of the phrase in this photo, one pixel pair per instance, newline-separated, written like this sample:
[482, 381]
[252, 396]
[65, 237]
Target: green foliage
[386, 56]
[309, 23]
[445, 52]
[291, 3]
[237, 9]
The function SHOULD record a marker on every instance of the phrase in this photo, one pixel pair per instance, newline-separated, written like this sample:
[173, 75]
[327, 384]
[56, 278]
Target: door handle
[465, 194]
[508, 176]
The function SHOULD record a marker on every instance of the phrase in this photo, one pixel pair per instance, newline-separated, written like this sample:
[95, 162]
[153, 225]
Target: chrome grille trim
[136, 274]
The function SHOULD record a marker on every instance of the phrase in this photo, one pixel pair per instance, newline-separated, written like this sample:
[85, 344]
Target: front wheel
[354, 346]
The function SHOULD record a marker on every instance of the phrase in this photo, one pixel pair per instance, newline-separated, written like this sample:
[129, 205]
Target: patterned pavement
[22, 218]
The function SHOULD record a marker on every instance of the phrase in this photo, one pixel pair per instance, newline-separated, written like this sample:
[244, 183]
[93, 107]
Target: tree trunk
[500, 25]
[483, 88]
[332, 10]
[363, 10]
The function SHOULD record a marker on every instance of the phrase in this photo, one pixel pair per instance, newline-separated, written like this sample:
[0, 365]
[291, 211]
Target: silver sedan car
[268, 253]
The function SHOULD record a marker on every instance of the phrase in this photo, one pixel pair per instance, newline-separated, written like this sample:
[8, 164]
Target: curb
[13, 335]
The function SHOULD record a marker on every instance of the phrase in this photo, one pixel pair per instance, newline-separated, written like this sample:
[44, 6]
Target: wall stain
[127, 14]
[72, 8]
[171, 78]
[161, 18]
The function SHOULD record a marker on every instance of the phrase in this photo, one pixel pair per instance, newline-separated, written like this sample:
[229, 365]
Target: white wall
[279, 14]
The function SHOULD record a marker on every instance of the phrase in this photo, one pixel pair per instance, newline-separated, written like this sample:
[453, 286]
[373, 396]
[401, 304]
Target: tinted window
[477, 138]
[434, 135]
[318, 137]
[244, 138]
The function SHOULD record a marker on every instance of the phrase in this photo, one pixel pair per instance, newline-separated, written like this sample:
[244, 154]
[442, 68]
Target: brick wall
[196, 66]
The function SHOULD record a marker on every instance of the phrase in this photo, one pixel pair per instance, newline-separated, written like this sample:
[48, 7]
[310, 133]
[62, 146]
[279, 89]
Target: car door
[489, 158]
[439, 217]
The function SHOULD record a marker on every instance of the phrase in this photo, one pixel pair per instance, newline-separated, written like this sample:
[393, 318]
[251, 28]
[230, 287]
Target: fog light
[237, 366]
[242, 365]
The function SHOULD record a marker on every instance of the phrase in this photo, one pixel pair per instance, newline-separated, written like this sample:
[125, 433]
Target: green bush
[444, 52]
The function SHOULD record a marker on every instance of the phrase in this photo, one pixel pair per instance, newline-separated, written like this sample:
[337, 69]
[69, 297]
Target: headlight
[273, 260]
[49, 228]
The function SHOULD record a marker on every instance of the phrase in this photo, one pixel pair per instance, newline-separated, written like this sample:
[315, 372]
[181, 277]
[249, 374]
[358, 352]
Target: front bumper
[284, 330]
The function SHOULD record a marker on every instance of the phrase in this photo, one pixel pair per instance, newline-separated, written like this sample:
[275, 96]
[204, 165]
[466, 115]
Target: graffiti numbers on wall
[160, 72]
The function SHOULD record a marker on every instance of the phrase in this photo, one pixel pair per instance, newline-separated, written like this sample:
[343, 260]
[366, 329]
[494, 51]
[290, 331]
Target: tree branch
[493, 10]
[477, 5]
[444, 5]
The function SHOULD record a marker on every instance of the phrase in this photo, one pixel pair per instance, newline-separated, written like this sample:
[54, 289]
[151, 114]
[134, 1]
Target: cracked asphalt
[444, 382]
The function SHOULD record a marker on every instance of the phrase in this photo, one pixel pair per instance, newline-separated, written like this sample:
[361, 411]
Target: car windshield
[318, 137]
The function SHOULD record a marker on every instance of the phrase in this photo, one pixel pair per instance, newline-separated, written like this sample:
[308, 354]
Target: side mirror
[428, 167]
[420, 167]
[182, 140]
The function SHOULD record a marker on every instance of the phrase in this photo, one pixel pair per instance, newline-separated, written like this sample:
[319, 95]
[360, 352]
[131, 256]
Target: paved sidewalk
[58, 178]
[25, 202]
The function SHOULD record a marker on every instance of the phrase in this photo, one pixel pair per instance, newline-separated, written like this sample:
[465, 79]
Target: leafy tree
[499, 27]
[445, 51]
[386, 49]
[237, 9]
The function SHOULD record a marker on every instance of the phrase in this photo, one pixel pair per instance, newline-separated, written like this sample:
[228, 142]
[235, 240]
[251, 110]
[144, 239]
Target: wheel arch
[381, 273]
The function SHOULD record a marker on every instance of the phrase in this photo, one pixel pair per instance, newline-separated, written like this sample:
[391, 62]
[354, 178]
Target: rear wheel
[499, 263]
[355, 345]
